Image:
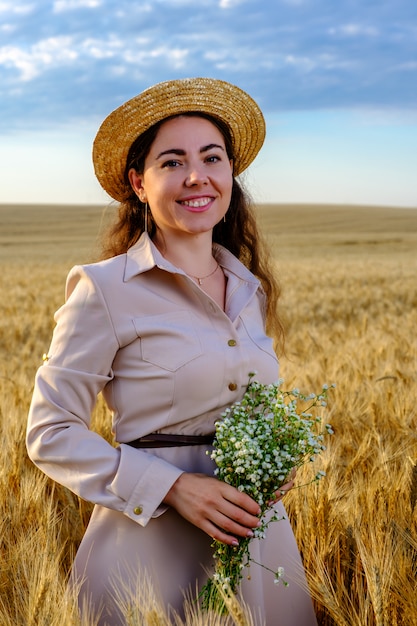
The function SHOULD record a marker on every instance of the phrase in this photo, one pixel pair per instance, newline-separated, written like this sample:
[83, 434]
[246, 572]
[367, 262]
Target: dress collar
[144, 256]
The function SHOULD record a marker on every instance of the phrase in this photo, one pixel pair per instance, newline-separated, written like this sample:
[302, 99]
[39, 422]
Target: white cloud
[46, 53]
[354, 30]
[239, 59]
[13, 7]
[64, 51]
[216, 55]
[295, 3]
[101, 49]
[181, 3]
[69, 5]
[7, 28]
[408, 66]
[122, 14]
[175, 57]
[118, 70]
[229, 4]
[14, 57]
[304, 63]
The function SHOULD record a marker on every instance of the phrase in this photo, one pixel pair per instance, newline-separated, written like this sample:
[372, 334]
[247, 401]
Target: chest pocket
[257, 335]
[169, 340]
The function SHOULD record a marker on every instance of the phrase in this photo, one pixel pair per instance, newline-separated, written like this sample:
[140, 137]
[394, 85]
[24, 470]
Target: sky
[336, 80]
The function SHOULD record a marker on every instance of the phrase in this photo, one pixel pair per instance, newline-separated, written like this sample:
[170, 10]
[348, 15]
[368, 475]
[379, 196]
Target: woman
[168, 327]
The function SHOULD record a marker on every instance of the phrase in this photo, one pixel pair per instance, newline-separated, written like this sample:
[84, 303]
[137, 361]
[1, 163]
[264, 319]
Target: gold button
[137, 510]
[231, 342]
[232, 386]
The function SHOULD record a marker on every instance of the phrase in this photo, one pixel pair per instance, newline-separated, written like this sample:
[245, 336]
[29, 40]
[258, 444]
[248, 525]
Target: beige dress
[167, 359]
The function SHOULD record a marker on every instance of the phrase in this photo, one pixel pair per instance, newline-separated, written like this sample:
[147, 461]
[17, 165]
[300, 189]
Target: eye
[171, 163]
[213, 158]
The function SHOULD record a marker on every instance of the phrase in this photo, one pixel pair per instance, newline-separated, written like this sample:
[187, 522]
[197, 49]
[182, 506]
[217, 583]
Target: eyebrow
[180, 152]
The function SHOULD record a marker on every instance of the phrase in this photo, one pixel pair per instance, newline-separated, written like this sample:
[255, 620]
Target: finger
[220, 534]
[280, 493]
[222, 537]
[285, 488]
[239, 499]
[234, 523]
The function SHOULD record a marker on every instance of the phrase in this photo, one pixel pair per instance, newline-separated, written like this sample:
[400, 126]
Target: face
[187, 178]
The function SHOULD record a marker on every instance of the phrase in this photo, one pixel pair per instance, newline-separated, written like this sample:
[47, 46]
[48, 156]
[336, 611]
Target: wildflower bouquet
[258, 443]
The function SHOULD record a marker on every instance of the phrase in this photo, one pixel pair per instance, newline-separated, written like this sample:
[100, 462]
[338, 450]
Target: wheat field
[349, 301]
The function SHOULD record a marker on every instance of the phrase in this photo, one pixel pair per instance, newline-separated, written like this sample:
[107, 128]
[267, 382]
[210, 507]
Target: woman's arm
[59, 439]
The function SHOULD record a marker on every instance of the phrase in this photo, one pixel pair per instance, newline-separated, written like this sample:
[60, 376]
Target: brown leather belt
[159, 440]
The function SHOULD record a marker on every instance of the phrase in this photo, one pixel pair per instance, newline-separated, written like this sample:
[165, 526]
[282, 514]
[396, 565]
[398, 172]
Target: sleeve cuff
[144, 496]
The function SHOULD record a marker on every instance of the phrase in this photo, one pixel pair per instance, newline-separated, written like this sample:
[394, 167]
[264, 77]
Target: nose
[196, 175]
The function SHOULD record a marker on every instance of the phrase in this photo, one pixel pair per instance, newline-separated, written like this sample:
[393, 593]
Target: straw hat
[215, 97]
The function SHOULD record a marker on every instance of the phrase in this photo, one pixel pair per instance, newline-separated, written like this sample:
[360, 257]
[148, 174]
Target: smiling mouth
[197, 203]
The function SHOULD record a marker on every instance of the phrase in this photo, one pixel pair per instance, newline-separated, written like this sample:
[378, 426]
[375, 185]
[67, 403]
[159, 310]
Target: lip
[196, 203]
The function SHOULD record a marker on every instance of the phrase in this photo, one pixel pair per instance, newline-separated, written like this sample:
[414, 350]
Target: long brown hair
[239, 233]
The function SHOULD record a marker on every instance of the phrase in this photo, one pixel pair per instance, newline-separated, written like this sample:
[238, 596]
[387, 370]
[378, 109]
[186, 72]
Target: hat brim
[217, 98]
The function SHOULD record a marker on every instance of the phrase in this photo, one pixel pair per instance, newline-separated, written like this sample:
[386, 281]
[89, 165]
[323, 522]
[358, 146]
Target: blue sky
[336, 79]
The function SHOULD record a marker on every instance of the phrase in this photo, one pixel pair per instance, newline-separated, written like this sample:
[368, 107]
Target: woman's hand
[219, 509]
[280, 493]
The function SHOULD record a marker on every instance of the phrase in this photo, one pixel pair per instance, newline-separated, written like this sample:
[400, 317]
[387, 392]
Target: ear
[136, 182]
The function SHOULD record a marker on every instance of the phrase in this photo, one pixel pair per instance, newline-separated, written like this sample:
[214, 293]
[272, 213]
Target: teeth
[196, 203]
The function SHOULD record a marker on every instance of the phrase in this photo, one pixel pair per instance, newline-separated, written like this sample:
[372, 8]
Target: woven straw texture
[215, 97]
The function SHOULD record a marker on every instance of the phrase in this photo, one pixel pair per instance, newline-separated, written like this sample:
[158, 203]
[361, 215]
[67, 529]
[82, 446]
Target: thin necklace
[200, 279]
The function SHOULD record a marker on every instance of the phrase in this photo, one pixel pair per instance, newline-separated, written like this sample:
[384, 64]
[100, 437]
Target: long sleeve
[59, 439]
